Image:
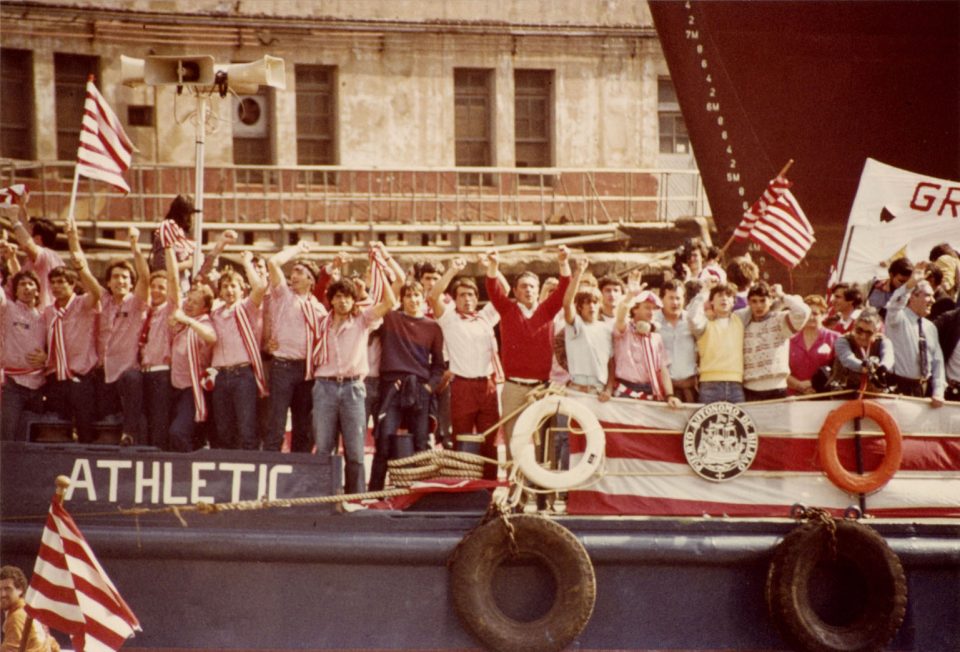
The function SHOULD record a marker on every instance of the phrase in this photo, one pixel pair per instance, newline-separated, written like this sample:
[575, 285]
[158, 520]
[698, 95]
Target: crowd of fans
[231, 358]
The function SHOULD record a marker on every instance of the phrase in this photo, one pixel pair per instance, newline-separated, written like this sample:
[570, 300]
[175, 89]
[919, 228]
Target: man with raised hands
[340, 365]
[526, 332]
[473, 356]
[122, 315]
[236, 357]
[71, 325]
[293, 319]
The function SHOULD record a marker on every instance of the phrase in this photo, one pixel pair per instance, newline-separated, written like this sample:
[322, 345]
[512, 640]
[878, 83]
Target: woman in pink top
[810, 348]
[190, 353]
[23, 355]
[236, 357]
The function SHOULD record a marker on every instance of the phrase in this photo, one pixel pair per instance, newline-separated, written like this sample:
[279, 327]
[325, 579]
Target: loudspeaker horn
[131, 70]
[179, 71]
[246, 78]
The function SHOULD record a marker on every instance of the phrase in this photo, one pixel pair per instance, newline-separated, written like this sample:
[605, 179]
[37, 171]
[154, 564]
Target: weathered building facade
[381, 98]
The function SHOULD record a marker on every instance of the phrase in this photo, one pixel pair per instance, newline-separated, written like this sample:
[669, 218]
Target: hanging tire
[856, 601]
[541, 541]
[827, 446]
[524, 451]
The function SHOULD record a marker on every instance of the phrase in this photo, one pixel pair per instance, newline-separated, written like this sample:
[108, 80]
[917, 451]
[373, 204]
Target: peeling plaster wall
[394, 96]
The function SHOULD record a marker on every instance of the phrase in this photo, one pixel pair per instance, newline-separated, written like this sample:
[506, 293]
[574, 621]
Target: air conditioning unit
[250, 116]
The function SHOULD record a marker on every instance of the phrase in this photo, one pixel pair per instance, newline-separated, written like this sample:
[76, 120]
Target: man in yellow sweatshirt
[719, 335]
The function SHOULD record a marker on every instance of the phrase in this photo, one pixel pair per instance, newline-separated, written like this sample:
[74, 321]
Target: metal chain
[511, 533]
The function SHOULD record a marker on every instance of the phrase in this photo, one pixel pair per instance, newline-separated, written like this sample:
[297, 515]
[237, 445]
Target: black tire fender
[542, 541]
[860, 550]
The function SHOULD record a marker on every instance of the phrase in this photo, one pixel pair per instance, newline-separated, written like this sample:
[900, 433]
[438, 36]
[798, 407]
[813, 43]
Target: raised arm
[173, 278]
[87, 279]
[142, 289]
[21, 231]
[634, 288]
[387, 302]
[258, 286]
[276, 262]
[435, 297]
[226, 238]
[569, 309]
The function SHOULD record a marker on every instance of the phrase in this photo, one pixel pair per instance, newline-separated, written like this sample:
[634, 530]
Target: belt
[339, 379]
[526, 382]
[277, 360]
[156, 367]
[586, 389]
[234, 368]
[473, 378]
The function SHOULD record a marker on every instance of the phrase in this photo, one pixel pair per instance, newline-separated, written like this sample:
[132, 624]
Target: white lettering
[81, 466]
[197, 483]
[262, 482]
[141, 482]
[114, 466]
[237, 468]
[274, 472]
[168, 497]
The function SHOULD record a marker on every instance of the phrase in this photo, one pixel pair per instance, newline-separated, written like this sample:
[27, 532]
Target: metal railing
[451, 207]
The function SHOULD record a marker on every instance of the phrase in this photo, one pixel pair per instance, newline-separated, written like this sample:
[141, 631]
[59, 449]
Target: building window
[533, 121]
[140, 115]
[71, 72]
[472, 128]
[16, 104]
[315, 115]
[673, 130]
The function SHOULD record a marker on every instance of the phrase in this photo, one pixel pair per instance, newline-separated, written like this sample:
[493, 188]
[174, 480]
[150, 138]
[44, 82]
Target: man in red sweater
[526, 332]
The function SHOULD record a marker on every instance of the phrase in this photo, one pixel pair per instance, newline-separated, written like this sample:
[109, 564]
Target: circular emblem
[720, 441]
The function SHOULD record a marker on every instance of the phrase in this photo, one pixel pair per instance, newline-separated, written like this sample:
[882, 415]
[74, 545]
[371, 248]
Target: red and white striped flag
[105, 150]
[770, 195]
[777, 223]
[14, 194]
[784, 230]
[71, 592]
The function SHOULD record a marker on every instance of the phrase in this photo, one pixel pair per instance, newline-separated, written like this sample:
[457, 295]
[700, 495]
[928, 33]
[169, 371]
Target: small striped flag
[105, 150]
[778, 224]
[14, 194]
[71, 592]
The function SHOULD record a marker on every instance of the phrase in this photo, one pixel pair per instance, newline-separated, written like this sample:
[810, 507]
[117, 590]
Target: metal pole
[201, 118]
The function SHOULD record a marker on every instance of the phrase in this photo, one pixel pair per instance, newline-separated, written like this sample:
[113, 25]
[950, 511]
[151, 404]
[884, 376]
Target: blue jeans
[713, 391]
[128, 390]
[17, 400]
[183, 429]
[75, 400]
[289, 390]
[235, 409]
[157, 407]
[392, 415]
[338, 407]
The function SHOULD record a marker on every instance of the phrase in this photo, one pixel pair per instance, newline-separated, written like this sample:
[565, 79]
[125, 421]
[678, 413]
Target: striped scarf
[196, 376]
[650, 359]
[252, 347]
[171, 235]
[379, 275]
[309, 310]
[320, 352]
[57, 345]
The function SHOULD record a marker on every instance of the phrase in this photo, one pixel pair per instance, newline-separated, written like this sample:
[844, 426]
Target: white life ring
[524, 452]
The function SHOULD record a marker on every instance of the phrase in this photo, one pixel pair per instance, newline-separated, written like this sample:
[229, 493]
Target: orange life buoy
[841, 477]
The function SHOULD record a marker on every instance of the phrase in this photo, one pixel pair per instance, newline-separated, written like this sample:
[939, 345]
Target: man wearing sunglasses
[862, 351]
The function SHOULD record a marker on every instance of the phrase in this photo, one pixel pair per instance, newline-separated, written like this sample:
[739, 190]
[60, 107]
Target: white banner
[897, 212]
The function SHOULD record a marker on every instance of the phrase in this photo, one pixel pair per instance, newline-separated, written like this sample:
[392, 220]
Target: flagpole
[62, 483]
[783, 171]
[201, 116]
